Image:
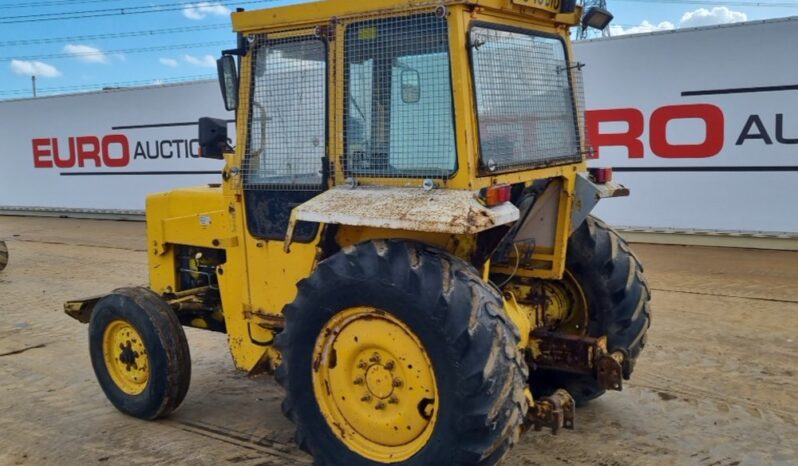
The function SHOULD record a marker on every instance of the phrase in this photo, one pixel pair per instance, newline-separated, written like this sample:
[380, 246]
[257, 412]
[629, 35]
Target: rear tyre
[3, 255]
[139, 353]
[618, 300]
[398, 353]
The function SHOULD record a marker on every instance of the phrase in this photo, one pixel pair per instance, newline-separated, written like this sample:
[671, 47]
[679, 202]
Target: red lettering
[69, 162]
[629, 139]
[88, 148]
[41, 152]
[713, 142]
[124, 158]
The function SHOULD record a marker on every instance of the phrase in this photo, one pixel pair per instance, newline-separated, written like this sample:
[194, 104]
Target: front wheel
[397, 353]
[139, 353]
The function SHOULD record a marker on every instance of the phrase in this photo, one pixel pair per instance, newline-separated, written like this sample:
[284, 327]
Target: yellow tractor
[402, 235]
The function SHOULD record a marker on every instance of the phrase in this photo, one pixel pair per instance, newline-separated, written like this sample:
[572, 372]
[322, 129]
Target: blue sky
[81, 61]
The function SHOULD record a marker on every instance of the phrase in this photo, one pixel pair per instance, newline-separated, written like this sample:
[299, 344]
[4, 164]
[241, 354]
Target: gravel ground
[716, 386]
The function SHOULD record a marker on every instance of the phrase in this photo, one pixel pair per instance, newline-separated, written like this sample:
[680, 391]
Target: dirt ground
[716, 386]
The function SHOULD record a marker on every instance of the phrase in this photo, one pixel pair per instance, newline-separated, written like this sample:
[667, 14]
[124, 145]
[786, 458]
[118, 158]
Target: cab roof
[316, 12]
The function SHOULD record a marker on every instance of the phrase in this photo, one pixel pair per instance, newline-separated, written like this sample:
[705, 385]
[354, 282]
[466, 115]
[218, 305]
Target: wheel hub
[126, 357]
[379, 381]
[375, 384]
[555, 305]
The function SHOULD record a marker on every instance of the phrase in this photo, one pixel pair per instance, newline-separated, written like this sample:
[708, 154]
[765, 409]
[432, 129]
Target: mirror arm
[235, 52]
[242, 47]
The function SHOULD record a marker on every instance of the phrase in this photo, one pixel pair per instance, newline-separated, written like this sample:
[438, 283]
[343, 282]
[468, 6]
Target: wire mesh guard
[398, 108]
[527, 112]
[287, 124]
[399, 117]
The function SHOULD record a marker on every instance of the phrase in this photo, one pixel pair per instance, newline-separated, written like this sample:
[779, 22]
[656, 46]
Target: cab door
[284, 165]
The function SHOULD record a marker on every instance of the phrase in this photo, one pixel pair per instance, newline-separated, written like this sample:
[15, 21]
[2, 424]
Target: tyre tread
[483, 336]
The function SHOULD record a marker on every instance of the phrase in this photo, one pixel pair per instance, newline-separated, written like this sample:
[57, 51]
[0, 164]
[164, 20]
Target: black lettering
[193, 148]
[163, 151]
[179, 145]
[746, 134]
[780, 131]
[139, 152]
[150, 155]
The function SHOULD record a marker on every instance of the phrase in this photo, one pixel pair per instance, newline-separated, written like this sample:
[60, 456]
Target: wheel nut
[397, 382]
[362, 365]
[366, 398]
[390, 365]
[358, 381]
[393, 400]
[380, 406]
[375, 358]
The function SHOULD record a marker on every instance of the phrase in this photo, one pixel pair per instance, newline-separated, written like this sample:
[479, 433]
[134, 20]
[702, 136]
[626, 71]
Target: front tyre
[397, 353]
[139, 353]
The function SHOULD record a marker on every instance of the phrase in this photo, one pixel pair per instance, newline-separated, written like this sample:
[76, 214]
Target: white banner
[701, 124]
[105, 150]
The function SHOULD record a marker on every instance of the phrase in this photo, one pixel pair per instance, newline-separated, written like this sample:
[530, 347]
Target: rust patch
[412, 209]
[333, 359]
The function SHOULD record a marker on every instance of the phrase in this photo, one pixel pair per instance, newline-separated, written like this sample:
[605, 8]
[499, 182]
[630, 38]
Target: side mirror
[212, 138]
[228, 81]
[411, 86]
[597, 18]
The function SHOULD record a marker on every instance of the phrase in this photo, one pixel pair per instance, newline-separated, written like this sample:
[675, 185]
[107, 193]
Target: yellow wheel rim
[126, 357]
[375, 385]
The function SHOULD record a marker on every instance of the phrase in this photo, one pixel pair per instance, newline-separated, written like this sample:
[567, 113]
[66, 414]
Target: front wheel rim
[126, 357]
[375, 384]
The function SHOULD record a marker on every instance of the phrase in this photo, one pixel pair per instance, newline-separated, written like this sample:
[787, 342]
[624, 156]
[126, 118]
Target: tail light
[495, 195]
[600, 175]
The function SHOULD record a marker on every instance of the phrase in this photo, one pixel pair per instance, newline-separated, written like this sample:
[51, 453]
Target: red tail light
[496, 195]
[600, 175]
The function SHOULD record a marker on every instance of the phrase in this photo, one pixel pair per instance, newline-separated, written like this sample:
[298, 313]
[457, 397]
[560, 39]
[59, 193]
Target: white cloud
[644, 27]
[206, 61]
[86, 53]
[695, 18]
[34, 68]
[201, 10]
[717, 15]
[170, 62]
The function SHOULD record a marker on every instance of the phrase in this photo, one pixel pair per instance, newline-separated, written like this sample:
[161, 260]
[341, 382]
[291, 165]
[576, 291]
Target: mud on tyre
[476, 412]
[139, 353]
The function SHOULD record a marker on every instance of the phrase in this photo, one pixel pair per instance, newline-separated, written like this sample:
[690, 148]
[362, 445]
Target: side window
[287, 130]
[286, 145]
[398, 93]
[526, 106]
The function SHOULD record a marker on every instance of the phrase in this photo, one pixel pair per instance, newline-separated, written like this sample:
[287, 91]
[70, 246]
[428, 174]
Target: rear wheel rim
[375, 384]
[126, 357]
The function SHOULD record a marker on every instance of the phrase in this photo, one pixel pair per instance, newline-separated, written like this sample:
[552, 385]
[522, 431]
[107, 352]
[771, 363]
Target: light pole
[33, 82]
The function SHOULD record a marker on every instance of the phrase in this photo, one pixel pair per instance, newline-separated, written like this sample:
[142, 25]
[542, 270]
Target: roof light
[597, 18]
